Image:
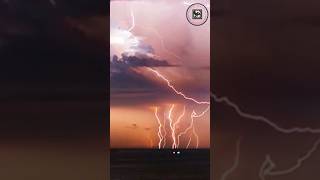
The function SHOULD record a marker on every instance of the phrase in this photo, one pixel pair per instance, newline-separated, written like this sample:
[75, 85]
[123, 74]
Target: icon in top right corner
[197, 14]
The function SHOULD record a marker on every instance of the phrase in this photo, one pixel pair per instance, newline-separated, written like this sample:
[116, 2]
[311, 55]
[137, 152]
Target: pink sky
[163, 26]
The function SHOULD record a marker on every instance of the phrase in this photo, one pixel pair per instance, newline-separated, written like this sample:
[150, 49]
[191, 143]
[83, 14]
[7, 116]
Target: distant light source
[123, 40]
[176, 152]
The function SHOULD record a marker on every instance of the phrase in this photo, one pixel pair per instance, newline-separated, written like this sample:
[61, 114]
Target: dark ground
[142, 164]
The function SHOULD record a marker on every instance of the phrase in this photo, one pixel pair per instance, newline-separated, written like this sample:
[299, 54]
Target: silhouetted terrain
[136, 164]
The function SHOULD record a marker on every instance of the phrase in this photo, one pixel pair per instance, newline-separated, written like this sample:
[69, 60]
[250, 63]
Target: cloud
[144, 48]
[129, 86]
[138, 60]
[124, 76]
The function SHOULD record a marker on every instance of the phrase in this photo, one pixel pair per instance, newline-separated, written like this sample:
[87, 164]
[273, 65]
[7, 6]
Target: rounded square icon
[196, 13]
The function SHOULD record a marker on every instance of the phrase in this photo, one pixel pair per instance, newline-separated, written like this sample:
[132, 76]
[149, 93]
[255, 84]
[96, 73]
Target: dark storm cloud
[138, 60]
[125, 80]
[128, 86]
[124, 76]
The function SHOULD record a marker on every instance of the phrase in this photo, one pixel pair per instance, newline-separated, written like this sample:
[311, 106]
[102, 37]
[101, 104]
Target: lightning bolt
[191, 126]
[176, 141]
[175, 144]
[195, 115]
[165, 131]
[171, 123]
[195, 135]
[162, 137]
[133, 25]
[172, 127]
[180, 117]
[263, 119]
[189, 142]
[175, 90]
[133, 21]
[186, 130]
[159, 129]
[193, 129]
[235, 164]
[153, 30]
[163, 45]
[268, 165]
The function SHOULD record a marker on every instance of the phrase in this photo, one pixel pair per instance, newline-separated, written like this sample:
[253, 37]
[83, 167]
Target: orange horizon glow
[125, 135]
